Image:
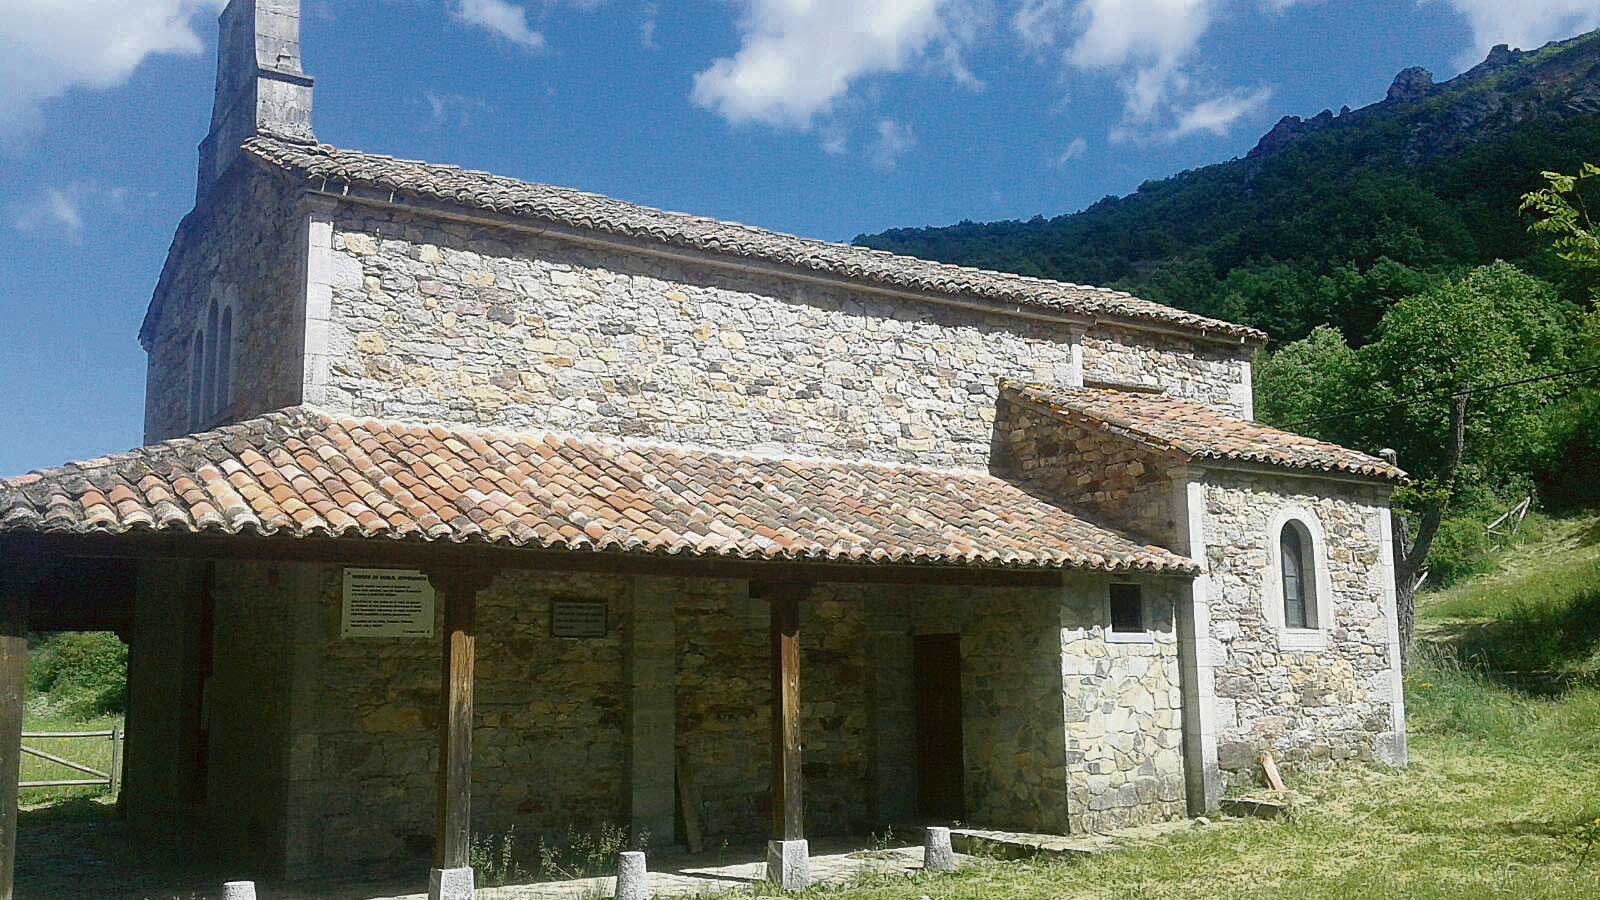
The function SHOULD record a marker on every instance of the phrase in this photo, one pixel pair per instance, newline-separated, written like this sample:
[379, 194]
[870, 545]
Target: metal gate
[91, 777]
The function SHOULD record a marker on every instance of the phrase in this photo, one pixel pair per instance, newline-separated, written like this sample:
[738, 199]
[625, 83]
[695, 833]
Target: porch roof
[1198, 432]
[305, 473]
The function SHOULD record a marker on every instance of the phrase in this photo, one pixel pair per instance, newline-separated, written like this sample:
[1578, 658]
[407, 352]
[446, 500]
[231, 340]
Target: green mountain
[1328, 219]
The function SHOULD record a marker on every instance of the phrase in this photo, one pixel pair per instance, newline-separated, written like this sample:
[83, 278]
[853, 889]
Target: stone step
[1021, 845]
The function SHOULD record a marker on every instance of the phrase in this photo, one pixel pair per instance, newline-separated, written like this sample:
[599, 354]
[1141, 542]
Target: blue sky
[822, 117]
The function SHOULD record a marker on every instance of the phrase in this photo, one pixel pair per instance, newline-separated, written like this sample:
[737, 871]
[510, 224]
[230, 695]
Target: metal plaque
[578, 619]
[387, 603]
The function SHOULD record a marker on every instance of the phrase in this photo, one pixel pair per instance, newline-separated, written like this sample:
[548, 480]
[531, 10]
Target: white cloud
[1217, 115]
[48, 47]
[894, 139]
[1075, 149]
[835, 140]
[1148, 47]
[458, 110]
[1526, 24]
[501, 18]
[649, 12]
[798, 57]
[62, 209]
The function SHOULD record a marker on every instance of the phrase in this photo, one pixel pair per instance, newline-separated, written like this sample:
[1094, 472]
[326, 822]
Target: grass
[1499, 800]
[94, 753]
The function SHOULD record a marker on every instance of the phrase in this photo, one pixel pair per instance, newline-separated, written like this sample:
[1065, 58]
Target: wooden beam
[788, 780]
[458, 588]
[13, 669]
[430, 555]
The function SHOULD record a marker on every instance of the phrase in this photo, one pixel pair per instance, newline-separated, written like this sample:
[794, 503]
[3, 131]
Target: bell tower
[260, 86]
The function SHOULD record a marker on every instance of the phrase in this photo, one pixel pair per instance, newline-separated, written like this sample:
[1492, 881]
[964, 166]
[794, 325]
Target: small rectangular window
[1127, 609]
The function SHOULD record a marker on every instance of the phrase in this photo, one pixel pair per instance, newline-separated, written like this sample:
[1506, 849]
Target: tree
[1563, 216]
[1477, 337]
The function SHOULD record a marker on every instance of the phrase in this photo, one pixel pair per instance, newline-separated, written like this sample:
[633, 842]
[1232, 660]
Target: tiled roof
[301, 472]
[1199, 432]
[593, 212]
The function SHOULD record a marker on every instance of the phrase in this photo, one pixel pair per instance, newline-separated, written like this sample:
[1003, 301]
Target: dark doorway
[940, 762]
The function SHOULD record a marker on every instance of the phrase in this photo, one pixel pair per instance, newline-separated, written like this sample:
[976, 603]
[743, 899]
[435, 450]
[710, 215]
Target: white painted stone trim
[1126, 637]
[1272, 587]
[1396, 752]
[1244, 393]
[317, 304]
[1196, 651]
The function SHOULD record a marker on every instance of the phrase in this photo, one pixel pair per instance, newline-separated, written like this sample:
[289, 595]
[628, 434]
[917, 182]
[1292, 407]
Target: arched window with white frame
[1299, 591]
[1296, 593]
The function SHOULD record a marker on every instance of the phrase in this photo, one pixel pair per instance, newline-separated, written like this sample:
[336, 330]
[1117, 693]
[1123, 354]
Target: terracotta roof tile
[594, 494]
[320, 164]
[1198, 432]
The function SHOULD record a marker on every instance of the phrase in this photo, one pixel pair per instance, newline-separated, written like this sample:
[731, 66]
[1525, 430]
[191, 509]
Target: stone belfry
[260, 87]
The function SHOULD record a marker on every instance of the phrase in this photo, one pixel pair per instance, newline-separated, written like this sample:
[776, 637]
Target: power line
[1443, 395]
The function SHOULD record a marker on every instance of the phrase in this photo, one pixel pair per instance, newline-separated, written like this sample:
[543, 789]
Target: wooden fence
[92, 777]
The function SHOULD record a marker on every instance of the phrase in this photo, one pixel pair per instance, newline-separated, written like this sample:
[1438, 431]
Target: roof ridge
[627, 442]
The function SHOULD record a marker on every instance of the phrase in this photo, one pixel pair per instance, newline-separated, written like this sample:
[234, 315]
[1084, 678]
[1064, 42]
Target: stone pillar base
[937, 854]
[633, 878]
[239, 890]
[450, 884]
[789, 864]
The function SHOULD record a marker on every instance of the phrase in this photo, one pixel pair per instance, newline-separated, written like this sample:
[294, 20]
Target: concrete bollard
[789, 865]
[937, 855]
[450, 884]
[239, 890]
[633, 877]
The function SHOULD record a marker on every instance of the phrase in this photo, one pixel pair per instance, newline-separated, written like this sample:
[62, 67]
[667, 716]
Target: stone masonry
[1337, 702]
[435, 319]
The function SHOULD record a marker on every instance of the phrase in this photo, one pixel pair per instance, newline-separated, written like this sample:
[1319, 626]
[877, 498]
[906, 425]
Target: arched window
[1297, 597]
[223, 379]
[197, 379]
[1299, 582]
[209, 389]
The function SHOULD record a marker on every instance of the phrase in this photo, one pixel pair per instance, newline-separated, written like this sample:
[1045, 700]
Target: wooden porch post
[788, 859]
[458, 590]
[14, 590]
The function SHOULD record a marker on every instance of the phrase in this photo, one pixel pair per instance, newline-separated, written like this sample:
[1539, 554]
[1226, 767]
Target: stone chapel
[470, 503]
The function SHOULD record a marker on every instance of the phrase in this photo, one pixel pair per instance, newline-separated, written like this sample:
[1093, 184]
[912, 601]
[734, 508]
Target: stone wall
[1339, 701]
[441, 320]
[1117, 480]
[548, 736]
[247, 245]
[1200, 371]
[331, 745]
[1124, 711]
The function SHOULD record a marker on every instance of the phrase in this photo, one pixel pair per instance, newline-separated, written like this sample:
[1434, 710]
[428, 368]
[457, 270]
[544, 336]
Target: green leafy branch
[1564, 217]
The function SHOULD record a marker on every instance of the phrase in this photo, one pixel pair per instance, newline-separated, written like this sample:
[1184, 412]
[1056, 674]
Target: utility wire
[1442, 395]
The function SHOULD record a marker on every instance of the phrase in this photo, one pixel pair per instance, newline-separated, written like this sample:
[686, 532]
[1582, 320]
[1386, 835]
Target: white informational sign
[386, 603]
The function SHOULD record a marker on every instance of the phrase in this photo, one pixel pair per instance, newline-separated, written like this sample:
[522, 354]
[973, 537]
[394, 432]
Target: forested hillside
[1404, 278]
[1331, 219]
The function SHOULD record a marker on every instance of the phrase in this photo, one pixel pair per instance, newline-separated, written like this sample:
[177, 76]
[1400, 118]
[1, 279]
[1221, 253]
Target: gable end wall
[1305, 706]
[246, 243]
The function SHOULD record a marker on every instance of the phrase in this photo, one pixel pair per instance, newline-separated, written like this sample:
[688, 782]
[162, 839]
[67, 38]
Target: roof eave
[345, 190]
